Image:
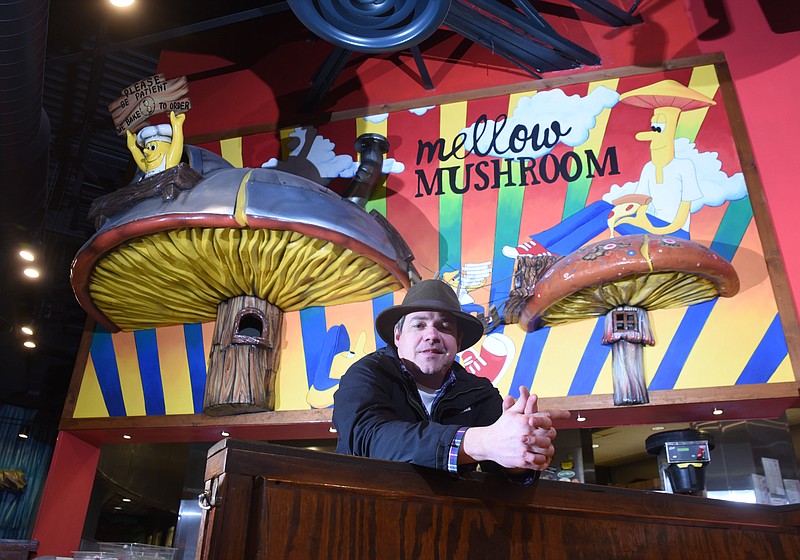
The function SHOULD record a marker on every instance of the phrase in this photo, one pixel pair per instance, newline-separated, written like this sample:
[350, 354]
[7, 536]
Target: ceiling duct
[24, 126]
[366, 26]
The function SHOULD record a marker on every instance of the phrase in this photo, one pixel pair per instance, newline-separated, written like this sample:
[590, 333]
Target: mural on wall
[473, 186]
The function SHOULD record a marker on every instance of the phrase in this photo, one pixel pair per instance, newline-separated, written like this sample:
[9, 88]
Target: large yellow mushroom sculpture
[241, 247]
[622, 279]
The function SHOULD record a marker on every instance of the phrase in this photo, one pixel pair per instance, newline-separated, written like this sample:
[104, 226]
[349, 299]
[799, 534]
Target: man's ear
[396, 332]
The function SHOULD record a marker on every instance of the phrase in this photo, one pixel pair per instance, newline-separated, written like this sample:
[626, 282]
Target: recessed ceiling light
[332, 430]
[126, 499]
[31, 273]
[117, 507]
[595, 445]
[580, 418]
[224, 433]
[657, 428]
[717, 411]
[26, 256]
[120, 3]
[126, 436]
[29, 344]
[27, 330]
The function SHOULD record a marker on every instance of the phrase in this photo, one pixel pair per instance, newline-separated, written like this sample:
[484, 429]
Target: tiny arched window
[250, 327]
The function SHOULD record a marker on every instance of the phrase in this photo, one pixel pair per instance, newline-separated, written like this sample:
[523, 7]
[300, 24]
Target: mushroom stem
[244, 357]
[627, 330]
[627, 366]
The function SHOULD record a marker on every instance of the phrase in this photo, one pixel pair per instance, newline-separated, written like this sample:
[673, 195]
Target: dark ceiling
[93, 51]
[72, 59]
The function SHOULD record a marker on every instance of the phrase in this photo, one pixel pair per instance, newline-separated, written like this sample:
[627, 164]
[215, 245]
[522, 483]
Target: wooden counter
[269, 501]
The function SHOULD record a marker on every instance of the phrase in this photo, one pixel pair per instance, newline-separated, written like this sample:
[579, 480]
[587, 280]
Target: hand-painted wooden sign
[148, 97]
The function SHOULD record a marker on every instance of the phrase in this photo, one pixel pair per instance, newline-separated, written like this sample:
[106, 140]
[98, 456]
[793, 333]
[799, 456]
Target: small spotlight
[595, 445]
[126, 436]
[31, 273]
[24, 431]
[126, 500]
[117, 507]
[121, 3]
[224, 433]
[717, 411]
[27, 256]
[27, 330]
[29, 344]
[332, 430]
[657, 428]
[580, 418]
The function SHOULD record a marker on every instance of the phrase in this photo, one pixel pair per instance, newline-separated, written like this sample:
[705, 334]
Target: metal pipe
[371, 147]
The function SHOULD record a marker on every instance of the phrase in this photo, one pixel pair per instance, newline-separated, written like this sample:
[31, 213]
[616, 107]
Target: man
[412, 402]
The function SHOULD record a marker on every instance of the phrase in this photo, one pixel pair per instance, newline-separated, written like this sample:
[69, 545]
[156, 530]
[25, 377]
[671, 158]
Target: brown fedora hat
[430, 295]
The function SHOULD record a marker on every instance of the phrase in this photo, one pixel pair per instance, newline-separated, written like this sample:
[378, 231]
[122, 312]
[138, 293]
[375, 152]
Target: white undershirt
[428, 397]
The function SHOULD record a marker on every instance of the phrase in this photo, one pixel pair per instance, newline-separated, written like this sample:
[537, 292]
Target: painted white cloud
[323, 155]
[575, 117]
[617, 191]
[375, 119]
[716, 186]
[390, 165]
[419, 111]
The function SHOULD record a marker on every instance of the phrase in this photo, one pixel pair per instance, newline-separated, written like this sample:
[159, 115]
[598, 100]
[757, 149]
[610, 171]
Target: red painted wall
[254, 78]
[763, 52]
[243, 82]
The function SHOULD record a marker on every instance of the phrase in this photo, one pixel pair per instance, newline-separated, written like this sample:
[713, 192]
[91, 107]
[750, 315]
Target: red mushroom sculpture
[623, 278]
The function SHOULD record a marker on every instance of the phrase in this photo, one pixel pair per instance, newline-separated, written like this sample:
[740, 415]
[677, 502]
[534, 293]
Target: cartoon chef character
[158, 147]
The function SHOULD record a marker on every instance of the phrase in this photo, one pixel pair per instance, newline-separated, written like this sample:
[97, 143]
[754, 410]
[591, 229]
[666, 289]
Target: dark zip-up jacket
[378, 412]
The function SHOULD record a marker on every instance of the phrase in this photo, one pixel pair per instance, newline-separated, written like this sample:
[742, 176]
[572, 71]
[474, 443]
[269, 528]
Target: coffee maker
[682, 459]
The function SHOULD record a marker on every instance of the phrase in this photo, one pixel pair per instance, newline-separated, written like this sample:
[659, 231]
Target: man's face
[428, 339]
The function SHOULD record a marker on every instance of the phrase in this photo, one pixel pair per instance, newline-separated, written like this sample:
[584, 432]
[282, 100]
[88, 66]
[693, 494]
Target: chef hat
[161, 132]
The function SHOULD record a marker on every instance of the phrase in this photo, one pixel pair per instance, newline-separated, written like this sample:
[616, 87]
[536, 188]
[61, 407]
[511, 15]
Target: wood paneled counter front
[269, 501]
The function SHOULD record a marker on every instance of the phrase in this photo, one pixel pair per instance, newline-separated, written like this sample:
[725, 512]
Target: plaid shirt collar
[448, 382]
